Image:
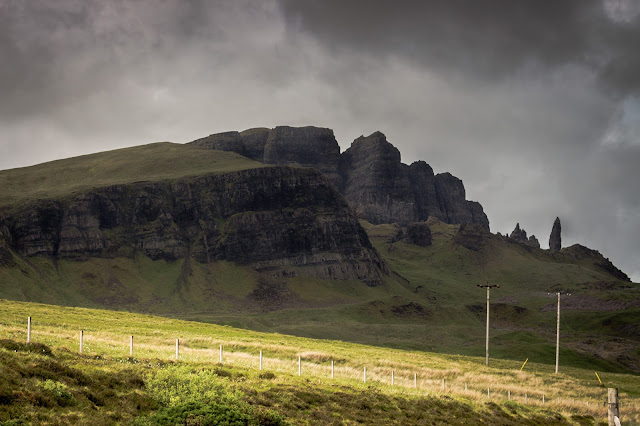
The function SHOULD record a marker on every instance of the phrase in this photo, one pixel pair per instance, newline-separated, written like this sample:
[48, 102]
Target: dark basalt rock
[453, 205]
[249, 143]
[472, 236]
[272, 217]
[375, 182]
[555, 239]
[305, 146]
[369, 174]
[519, 236]
[419, 234]
[294, 146]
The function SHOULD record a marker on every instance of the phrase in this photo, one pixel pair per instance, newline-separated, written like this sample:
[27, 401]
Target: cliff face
[369, 174]
[273, 217]
[302, 146]
[375, 182]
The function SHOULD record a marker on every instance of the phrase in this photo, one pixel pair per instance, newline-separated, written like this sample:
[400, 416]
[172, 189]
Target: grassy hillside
[429, 302]
[49, 381]
[153, 162]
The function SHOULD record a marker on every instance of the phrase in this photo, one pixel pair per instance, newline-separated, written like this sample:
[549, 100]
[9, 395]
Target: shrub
[59, 392]
[176, 385]
[199, 413]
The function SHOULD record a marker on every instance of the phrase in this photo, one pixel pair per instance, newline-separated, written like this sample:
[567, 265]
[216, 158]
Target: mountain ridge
[369, 173]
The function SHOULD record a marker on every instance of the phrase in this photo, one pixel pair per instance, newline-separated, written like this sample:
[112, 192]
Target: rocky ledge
[279, 219]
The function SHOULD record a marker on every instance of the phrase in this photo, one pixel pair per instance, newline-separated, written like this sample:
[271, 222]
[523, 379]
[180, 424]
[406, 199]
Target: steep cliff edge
[271, 218]
[369, 174]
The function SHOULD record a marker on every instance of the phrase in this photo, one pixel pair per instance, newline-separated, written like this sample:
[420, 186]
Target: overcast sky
[534, 104]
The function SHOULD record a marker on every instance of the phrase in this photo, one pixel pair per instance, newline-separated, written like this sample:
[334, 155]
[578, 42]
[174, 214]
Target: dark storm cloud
[489, 39]
[534, 104]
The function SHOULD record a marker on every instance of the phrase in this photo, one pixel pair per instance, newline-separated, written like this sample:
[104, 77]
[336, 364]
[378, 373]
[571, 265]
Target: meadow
[105, 384]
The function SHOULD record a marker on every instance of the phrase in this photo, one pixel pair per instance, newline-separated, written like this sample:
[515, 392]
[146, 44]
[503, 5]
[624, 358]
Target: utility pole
[488, 287]
[558, 332]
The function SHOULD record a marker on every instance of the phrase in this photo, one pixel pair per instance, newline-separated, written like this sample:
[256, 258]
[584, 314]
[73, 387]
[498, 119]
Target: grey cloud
[489, 39]
[533, 104]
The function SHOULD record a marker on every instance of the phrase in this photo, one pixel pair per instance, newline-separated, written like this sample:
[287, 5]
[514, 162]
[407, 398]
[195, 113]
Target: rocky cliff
[272, 218]
[369, 174]
[294, 146]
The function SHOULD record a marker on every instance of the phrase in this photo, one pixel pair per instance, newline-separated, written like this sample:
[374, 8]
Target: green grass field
[105, 384]
[153, 162]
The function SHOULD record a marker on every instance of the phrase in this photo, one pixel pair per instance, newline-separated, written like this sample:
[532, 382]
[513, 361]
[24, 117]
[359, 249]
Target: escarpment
[369, 173]
[279, 219]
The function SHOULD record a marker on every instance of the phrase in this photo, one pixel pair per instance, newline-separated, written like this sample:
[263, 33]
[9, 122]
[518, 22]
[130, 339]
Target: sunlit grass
[106, 336]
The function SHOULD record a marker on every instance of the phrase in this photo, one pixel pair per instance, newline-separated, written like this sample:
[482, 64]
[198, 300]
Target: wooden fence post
[614, 407]
[488, 393]
[81, 340]
[220, 354]
[260, 360]
[131, 346]
[443, 384]
[299, 366]
[332, 369]
[509, 394]
[415, 380]
[393, 378]
[29, 330]
[177, 349]
[465, 387]
[364, 377]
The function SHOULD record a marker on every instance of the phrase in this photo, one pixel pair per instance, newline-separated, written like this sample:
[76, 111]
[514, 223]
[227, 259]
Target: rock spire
[555, 239]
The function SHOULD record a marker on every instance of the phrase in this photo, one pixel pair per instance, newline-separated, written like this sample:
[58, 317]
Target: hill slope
[201, 234]
[145, 163]
[49, 381]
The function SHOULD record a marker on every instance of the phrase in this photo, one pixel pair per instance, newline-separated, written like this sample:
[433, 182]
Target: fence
[310, 364]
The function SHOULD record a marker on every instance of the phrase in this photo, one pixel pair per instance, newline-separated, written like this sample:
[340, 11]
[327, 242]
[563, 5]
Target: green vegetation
[429, 302]
[153, 162]
[49, 381]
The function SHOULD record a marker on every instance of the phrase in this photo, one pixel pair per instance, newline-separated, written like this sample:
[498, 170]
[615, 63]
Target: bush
[177, 385]
[199, 413]
[59, 392]
[201, 398]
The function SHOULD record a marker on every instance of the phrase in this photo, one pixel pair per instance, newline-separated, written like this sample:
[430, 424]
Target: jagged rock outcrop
[519, 235]
[369, 174]
[384, 190]
[419, 234]
[271, 218]
[286, 146]
[375, 183]
[555, 239]
[249, 143]
[472, 236]
[454, 207]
